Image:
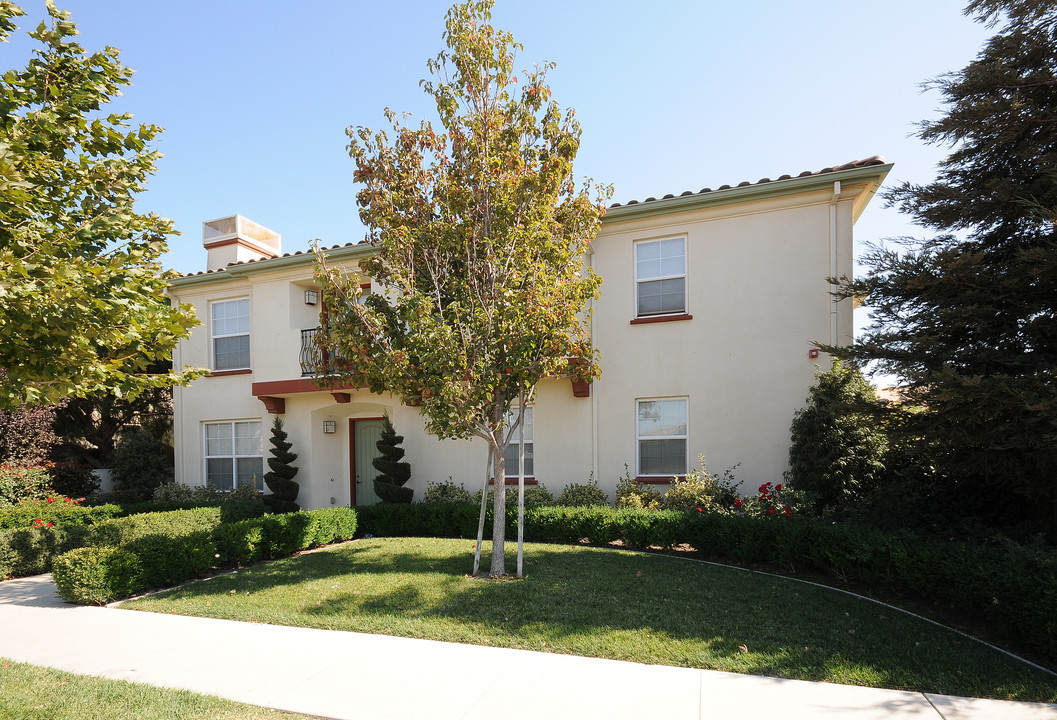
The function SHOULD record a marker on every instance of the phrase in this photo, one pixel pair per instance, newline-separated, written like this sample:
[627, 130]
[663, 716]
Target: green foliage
[97, 575]
[26, 434]
[631, 493]
[702, 491]
[582, 495]
[18, 484]
[967, 318]
[393, 474]
[81, 285]
[481, 233]
[447, 492]
[60, 512]
[72, 479]
[88, 428]
[839, 447]
[280, 477]
[141, 464]
[280, 535]
[534, 495]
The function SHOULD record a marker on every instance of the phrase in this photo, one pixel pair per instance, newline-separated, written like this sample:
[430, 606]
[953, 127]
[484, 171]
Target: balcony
[311, 357]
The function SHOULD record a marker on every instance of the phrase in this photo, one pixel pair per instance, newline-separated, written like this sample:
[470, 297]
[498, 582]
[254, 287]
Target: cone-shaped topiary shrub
[389, 484]
[280, 477]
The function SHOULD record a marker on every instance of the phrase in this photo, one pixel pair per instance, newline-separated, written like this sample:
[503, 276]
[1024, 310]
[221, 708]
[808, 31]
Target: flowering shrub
[777, 501]
[23, 483]
[633, 494]
[702, 491]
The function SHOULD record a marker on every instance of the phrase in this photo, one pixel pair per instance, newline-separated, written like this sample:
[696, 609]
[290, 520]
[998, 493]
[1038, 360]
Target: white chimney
[237, 239]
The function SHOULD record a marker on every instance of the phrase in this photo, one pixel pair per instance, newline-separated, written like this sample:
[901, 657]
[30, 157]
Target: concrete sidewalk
[350, 675]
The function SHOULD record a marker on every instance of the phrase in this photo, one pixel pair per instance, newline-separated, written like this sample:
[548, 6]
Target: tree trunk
[499, 511]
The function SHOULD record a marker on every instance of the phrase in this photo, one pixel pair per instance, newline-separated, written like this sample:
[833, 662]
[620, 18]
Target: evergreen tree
[838, 450]
[280, 476]
[967, 318]
[393, 474]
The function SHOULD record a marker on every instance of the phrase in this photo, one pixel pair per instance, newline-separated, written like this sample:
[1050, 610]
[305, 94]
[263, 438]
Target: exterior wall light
[311, 297]
[330, 427]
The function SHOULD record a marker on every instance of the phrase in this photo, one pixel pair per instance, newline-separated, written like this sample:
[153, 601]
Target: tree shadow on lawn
[628, 606]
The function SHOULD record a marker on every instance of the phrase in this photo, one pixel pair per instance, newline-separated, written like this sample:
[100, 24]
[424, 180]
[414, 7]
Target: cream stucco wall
[756, 290]
[757, 293]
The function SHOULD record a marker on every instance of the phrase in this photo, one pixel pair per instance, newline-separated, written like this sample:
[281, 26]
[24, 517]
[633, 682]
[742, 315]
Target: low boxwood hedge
[129, 555]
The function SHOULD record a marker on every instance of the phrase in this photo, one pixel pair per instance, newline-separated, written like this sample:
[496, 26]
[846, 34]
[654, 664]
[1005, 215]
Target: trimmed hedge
[275, 536]
[95, 575]
[129, 555]
[1010, 586]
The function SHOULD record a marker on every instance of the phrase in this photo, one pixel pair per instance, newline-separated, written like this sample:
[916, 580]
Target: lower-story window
[511, 454]
[662, 433]
[234, 454]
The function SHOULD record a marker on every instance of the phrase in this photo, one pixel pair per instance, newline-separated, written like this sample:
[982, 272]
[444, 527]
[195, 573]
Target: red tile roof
[875, 160]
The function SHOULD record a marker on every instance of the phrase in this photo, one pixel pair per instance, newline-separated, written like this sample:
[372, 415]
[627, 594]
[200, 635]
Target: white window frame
[639, 438]
[642, 280]
[530, 446]
[214, 335]
[234, 456]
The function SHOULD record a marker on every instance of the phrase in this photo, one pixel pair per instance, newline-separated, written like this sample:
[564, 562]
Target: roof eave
[871, 175]
[286, 262]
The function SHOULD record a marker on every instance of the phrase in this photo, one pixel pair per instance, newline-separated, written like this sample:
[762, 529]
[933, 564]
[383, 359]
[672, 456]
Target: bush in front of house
[59, 511]
[393, 472]
[446, 492]
[276, 536]
[280, 475]
[18, 484]
[534, 495]
[711, 492]
[583, 494]
[140, 464]
[72, 479]
[97, 575]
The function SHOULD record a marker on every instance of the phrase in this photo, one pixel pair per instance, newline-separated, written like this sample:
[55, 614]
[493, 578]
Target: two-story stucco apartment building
[710, 303]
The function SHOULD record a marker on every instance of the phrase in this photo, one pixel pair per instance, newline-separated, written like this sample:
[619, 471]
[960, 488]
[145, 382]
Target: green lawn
[603, 603]
[28, 692]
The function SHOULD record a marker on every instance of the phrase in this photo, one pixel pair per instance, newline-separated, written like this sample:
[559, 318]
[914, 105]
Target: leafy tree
[967, 318]
[90, 427]
[280, 475]
[26, 435]
[141, 463]
[480, 231]
[393, 474]
[82, 295]
[838, 448]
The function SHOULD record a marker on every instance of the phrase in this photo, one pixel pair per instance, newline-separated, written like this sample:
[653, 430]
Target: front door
[364, 436]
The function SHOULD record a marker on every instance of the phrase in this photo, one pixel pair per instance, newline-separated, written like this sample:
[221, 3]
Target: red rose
[789, 515]
[778, 487]
[51, 500]
[771, 511]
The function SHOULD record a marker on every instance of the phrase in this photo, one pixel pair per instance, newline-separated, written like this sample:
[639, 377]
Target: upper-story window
[231, 334]
[660, 277]
[510, 456]
[661, 429]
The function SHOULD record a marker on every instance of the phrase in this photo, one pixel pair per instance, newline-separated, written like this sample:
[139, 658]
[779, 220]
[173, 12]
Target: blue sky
[672, 96]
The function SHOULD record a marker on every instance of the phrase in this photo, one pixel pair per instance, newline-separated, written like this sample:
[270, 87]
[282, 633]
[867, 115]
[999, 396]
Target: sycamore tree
[968, 318]
[480, 232]
[82, 295]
